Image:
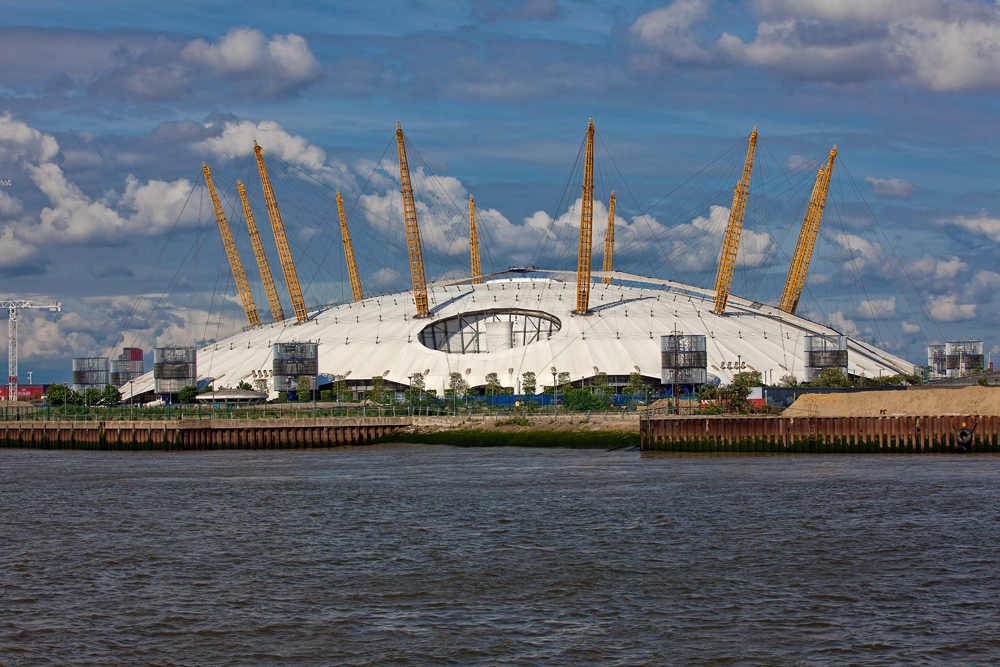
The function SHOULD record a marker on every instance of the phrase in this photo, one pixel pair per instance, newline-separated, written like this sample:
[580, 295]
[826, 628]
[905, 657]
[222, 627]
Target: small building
[231, 397]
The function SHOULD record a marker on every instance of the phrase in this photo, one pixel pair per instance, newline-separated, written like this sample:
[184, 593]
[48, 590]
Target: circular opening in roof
[492, 330]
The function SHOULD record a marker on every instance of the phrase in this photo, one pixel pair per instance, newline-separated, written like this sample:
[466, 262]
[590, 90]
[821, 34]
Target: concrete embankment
[202, 434]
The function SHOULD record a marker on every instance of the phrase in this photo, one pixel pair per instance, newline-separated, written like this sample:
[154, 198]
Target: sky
[107, 113]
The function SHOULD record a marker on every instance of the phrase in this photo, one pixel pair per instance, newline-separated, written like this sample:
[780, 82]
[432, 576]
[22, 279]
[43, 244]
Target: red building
[24, 393]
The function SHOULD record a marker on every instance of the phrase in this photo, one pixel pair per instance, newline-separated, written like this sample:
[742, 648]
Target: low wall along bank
[899, 434]
[194, 435]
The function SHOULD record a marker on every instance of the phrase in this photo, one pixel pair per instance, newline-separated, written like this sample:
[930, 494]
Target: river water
[417, 555]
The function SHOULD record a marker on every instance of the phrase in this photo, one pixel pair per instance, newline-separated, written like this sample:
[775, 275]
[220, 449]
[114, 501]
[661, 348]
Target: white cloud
[669, 29]
[236, 141]
[10, 206]
[248, 51]
[981, 225]
[851, 10]
[16, 253]
[946, 308]
[73, 217]
[894, 188]
[940, 45]
[877, 308]
[909, 328]
[863, 254]
[930, 268]
[843, 324]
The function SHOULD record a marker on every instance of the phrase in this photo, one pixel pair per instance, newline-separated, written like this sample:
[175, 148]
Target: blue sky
[106, 114]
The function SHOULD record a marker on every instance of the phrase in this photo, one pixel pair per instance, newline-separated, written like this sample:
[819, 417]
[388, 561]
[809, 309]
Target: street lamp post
[555, 391]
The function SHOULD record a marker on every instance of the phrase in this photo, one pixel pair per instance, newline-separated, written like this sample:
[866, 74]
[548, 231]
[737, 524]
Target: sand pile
[965, 401]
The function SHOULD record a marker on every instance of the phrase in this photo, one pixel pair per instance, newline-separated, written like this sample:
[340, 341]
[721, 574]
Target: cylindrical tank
[824, 352]
[90, 372]
[687, 356]
[292, 361]
[174, 368]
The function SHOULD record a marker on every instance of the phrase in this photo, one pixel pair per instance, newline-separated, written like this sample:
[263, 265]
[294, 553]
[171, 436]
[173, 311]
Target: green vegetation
[187, 394]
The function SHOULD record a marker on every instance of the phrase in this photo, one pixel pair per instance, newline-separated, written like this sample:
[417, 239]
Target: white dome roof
[380, 337]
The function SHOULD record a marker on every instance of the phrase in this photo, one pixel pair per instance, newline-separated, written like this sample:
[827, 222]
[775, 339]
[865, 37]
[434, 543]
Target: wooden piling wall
[827, 435]
[202, 434]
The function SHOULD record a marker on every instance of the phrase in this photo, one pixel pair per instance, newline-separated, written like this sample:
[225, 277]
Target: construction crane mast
[234, 259]
[412, 232]
[586, 228]
[352, 266]
[477, 270]
[609, 242]
[807, 239]
[12, 308]
[287, 265]
[258, 252]
[731, 243]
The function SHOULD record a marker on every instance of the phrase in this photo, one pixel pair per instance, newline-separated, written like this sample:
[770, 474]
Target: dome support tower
[352, 266]
[586, 228]
[234, 259]
[258, 252]
[412, 232]
[807, 239]
[287, 265]
[727, 261]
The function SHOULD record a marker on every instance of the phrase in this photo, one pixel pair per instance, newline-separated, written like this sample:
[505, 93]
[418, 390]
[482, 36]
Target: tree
[303, 388]
[832, 377]
[457, 384]
[187, 394]
[91, 396]
[340, 387]
[563, 381]
[111, 395]
[207, 388]
[738, 390]
[58, 394]
[326, 395]
[528, 382]
[377, 393]
[260, 384]
[602, 388]
[244, 385]
[788, 380]
[493, 386]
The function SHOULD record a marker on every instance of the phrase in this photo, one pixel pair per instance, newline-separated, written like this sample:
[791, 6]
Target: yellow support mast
[352, 267]
[258, 252]
[586, 228]
[234, 259]
[287, 265]
[727, 261]
[807, 239]
[412, 232]
[477, 270]
[609, 242]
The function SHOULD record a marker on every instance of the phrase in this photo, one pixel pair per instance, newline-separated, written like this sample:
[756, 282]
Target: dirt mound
[965, 401]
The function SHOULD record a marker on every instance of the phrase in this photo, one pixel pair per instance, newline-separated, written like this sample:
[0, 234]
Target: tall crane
[352, 266]
[586, 228]
[12, 307]
[807, 239]
[727, 261]
[234, 259]
[609, 242]
[287, 265]
[258, 252]
[412, 232]
[477, 270]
